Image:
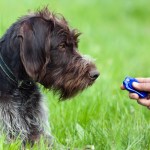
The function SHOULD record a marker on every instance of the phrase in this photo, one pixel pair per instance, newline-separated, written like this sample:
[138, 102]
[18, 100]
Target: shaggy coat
[39, 47]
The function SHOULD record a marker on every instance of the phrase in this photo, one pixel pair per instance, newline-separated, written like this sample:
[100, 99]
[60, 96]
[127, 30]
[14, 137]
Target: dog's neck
[12, 73]
[8, 72]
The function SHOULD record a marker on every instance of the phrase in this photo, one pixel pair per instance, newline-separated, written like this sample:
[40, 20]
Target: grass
[117, 35]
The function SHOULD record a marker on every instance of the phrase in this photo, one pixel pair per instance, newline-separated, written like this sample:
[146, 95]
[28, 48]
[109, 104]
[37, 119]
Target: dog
[38, 48]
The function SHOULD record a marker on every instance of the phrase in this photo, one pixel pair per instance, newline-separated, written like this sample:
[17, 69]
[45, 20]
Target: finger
[144, 102]
[134, 96]
[143, 80]
[141, 86]
[122, 87]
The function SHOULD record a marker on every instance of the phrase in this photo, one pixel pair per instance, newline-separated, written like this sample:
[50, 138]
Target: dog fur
[39, 48]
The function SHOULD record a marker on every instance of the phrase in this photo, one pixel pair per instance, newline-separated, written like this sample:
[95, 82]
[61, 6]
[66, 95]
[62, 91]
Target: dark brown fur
[39, 47]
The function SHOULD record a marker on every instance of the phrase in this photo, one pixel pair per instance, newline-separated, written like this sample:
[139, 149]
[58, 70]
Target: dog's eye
[62, 47]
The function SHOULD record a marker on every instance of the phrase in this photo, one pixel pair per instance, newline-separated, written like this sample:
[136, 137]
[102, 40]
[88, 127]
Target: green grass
[117, 34]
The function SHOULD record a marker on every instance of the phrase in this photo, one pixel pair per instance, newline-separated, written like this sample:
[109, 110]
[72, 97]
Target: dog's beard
[68, 82]
[71, 88]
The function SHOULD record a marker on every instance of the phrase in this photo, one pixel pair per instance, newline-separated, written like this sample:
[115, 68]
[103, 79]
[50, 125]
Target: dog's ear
[34, 49]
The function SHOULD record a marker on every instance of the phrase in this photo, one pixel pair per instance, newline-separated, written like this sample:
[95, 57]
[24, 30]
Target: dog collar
[25, 84]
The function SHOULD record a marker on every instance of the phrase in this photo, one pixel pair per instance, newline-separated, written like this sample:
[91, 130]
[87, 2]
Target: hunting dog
[38, 48]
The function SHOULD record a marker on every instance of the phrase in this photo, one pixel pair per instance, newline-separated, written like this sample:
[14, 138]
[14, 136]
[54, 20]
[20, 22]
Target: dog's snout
[94, 74]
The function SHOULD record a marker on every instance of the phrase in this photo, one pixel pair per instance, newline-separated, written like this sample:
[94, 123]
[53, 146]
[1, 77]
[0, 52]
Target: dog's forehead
[60, 27]
[65, 33]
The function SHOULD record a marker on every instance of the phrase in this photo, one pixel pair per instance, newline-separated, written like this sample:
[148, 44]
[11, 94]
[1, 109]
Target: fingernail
[135, 84]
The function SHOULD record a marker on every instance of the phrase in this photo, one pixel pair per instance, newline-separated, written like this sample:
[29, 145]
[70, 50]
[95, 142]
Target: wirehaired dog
[38, 48]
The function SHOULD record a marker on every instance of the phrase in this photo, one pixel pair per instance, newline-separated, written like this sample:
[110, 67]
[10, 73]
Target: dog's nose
[94, 74]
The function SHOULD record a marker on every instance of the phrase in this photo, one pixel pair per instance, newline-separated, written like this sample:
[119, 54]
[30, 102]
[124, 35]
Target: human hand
[143, 85]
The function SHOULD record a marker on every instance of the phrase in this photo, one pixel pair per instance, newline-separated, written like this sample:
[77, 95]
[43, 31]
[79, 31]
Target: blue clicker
[128, 86]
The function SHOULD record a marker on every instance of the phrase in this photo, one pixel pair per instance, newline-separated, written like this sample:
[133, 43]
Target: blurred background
[116, 33]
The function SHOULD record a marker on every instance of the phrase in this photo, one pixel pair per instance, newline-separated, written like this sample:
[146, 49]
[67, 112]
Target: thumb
[141, 86]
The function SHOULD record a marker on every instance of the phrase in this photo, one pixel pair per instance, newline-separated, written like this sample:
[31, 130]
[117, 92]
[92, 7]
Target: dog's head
[50, 56]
